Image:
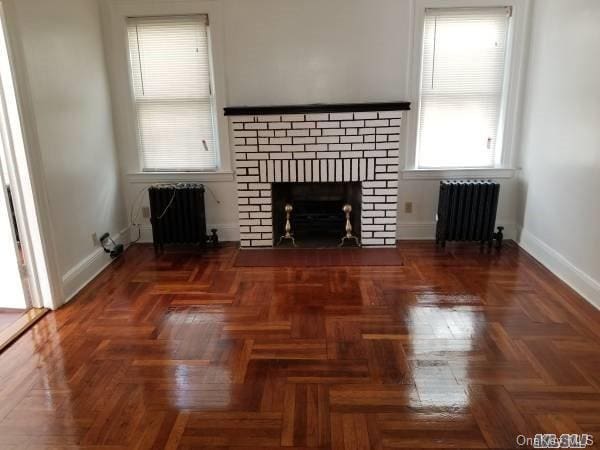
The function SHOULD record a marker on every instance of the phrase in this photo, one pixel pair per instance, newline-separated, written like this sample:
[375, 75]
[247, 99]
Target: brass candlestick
[349, 236]
[288, 226]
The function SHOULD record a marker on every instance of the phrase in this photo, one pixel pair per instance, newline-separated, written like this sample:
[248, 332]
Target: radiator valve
[499, 236]
[213, 239]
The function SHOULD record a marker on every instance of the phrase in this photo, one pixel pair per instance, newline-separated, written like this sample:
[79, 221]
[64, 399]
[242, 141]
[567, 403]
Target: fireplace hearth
[317, 218]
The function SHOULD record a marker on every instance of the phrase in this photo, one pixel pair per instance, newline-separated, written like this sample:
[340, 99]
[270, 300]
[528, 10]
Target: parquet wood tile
[457, 348]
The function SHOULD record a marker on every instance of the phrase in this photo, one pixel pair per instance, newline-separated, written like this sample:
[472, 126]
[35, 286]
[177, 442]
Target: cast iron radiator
[177, 214]
[467, 212]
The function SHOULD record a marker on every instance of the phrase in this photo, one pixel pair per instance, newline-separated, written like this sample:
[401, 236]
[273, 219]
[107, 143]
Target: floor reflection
[189, 350]
[440, 348]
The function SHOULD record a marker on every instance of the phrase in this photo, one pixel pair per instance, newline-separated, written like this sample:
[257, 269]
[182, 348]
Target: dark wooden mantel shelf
[316, 108]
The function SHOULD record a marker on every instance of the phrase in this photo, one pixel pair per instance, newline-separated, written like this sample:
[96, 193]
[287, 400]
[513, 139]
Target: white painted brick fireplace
[357, 146]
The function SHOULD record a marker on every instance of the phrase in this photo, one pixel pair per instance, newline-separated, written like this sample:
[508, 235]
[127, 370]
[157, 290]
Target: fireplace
[320, 156]
[317, 218]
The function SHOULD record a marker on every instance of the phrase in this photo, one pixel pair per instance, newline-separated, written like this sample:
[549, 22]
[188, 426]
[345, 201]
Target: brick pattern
[324, 147]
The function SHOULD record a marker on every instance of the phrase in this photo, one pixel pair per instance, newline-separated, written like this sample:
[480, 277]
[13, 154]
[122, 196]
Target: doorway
[24, 278]
[13, 275]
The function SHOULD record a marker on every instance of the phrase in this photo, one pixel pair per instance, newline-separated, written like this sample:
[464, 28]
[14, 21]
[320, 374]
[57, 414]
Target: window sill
[178, 177]
[452, 174]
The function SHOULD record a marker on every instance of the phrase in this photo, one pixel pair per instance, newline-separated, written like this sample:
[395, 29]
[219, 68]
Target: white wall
[280, 52]
[63, 54]
[560, 183]
[315, 51]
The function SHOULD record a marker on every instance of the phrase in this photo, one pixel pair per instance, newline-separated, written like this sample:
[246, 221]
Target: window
[170, 72]
[462, 87]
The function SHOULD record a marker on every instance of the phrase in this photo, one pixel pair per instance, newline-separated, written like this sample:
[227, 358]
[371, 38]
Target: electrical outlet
[146, 212]
[95, 239]
[408, 207]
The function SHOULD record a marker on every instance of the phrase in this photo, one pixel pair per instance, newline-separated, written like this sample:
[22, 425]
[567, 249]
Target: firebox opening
[317, 218]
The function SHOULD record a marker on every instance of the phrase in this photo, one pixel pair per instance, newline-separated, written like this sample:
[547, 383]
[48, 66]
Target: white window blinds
[170, 72]
[463, 66]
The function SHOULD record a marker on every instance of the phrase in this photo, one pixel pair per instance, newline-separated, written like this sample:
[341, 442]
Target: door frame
[30, 194]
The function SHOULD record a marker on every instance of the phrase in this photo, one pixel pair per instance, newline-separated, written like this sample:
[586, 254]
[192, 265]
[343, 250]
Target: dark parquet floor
[455, 349]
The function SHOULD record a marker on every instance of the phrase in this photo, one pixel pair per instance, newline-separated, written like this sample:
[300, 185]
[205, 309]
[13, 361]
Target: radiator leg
[156, 237]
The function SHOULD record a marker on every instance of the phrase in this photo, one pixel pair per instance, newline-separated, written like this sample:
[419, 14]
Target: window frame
[211, 100]
[114, 15]
[511, 103]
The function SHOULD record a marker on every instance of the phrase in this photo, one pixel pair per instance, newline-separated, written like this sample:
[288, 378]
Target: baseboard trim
[555, 262]
[88, 268]
[426, 230]
[229, 232]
